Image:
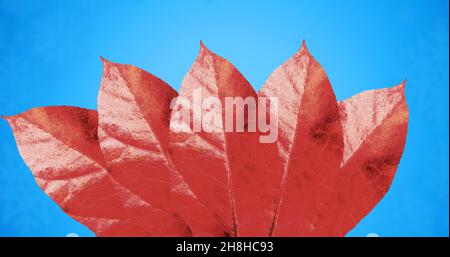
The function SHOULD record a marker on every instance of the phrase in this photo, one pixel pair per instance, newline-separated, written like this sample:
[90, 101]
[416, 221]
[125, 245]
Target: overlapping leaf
[130, 172]
[133, 108]
[60, 146]
[310, 145]
[226, 168]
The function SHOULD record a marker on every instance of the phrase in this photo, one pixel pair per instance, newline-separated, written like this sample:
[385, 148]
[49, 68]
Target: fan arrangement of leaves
[122, 170]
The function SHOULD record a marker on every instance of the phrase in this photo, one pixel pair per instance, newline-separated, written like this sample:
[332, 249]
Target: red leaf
[375, 124]
[134, 112]
[232, 173]
[330, 165]
[309, 143]
[59, 145]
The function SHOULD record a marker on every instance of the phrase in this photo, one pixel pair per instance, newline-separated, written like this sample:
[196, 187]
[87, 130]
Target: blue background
[49, 55]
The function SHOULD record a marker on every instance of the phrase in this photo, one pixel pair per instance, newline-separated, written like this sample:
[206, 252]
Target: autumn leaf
[225, 168]
[134, 112]
[310, 145]
[339, 158]
[134, 169]
[60, 146]
[375, 124]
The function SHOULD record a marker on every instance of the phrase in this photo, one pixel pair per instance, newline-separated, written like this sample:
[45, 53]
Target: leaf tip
[104, 60]
[403, 84]
[204, 49]
[401, 87]
[303, 48]
[107, 64]
[303, 44]
[205, 52]
[9, 119]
